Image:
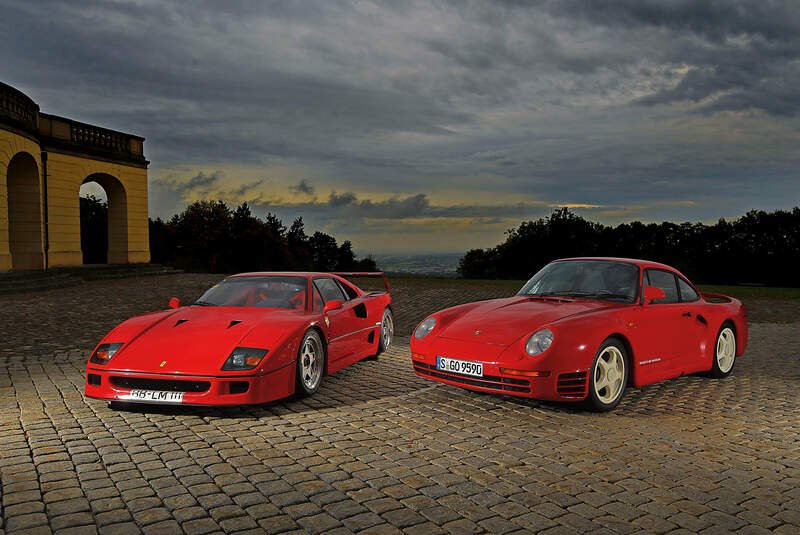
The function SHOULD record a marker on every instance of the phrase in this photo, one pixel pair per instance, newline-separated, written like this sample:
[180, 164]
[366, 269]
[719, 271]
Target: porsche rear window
[259, 292]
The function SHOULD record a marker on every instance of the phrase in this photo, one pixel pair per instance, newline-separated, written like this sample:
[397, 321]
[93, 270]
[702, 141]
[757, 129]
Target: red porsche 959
[252, 338]
[583, 329]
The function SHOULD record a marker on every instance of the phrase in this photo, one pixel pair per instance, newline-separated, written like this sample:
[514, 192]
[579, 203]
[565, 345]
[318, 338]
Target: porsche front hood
[502, 321]
[198, 340]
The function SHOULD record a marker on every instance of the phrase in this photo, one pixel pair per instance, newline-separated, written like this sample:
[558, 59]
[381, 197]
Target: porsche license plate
[467, 367]
[158, 396]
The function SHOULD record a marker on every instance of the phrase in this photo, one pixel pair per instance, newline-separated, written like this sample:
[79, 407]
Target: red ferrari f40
[252, 338]
[583, 329]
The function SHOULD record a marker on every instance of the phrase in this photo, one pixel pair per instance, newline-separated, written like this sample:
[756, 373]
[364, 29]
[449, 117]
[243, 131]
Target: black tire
[387, 322]
[608, 394]
[723, 363]
[310, 364]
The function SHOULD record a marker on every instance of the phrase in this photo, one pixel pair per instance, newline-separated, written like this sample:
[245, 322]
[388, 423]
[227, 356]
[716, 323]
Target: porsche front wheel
[608, 376]
[724, 352]
[310, 364]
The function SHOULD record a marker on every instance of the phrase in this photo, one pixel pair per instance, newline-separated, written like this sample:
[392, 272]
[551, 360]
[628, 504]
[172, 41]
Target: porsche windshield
[591, 279]
[262, 292]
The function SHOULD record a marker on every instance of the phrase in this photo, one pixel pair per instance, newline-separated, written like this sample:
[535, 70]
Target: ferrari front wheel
[608, 376]
[724, 352]
[310, 364]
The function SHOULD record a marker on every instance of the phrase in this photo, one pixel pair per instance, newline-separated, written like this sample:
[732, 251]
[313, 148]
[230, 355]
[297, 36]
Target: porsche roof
[638, 262]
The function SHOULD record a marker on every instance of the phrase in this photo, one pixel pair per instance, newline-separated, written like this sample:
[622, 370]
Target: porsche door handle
[687, 315]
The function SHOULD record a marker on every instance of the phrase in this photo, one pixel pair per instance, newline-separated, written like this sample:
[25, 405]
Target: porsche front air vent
[571, 385]
[487, 381]
[169, 385]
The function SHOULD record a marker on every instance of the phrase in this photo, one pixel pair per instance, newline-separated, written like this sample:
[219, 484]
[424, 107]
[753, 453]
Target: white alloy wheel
[725, 351]
[608, 376]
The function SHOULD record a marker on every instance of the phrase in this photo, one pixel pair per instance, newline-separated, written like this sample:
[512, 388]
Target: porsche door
[658, 328]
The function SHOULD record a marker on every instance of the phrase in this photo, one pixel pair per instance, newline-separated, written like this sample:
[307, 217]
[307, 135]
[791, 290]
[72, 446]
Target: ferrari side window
[688, 294]
[329, 289]
[317, 303]
[349, 292]
[663, 280]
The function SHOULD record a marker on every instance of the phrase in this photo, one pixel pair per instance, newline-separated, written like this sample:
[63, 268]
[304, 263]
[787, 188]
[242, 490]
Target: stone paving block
[383, 450]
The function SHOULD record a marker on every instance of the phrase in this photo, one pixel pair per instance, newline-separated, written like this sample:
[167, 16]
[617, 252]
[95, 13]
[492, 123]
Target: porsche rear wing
[365, 274]
[712, 297]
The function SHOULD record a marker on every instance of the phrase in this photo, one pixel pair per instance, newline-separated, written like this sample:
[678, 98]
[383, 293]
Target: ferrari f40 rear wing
[365, 274]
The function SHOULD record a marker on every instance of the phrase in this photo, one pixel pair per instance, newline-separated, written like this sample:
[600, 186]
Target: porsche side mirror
[174, 302]
[651, 293]
[332, 305]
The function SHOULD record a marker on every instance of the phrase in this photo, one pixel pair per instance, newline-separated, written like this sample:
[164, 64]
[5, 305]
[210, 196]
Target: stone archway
[117, 216]
[24, 213]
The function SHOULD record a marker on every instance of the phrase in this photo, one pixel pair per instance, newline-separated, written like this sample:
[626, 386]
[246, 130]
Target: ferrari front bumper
[174, 389]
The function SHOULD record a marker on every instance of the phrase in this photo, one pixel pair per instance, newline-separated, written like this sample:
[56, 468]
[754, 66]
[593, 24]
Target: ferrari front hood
[197, 340]
[503, 321]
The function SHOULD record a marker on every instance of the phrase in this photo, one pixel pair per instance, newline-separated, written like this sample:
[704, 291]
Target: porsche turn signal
[526, 373]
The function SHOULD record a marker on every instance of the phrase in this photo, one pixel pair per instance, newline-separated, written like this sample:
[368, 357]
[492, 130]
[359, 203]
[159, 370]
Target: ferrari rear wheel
[609, 375]
[387, 331]
[310, 364]
[724, 352]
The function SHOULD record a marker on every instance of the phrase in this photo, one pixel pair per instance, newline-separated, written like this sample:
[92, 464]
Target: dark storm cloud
[503, 108]
[303, 187]
[345, 198]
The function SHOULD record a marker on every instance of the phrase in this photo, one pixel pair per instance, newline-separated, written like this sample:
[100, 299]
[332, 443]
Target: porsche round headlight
[244, 358]
[539, 342]
[424, 328]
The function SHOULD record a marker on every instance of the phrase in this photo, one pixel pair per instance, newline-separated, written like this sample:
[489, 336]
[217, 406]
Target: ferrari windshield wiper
[204, 304]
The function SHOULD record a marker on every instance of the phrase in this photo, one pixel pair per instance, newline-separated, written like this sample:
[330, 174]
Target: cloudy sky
[432, 125]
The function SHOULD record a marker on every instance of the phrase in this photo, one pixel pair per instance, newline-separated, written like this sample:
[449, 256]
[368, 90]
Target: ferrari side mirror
[174, 302]
[651, 293]
[332, 305]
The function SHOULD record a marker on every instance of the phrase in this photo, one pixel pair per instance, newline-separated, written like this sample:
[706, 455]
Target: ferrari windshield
[262, 292]
[591, 279]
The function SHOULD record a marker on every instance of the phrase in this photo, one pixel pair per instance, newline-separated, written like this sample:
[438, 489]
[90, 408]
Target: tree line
[212, 237]
[759, 247]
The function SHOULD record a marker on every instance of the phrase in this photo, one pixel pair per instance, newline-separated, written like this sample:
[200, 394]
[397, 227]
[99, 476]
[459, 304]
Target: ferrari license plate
[467, 367]
[158, 396]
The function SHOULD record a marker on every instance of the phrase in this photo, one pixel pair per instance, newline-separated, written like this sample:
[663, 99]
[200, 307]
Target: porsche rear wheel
[310, 364]
[724, 352]
[609, 375]
[387, 331]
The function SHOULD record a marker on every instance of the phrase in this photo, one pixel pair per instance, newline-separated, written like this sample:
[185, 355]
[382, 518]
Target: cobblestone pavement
[379, 450]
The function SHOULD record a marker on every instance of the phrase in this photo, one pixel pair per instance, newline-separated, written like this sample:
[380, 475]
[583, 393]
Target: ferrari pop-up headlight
[104, 352]
[424, 328]
[539, 342]
[244, 358]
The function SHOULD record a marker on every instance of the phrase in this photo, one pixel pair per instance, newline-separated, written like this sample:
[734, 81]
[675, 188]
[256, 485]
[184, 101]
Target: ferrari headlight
[104, 352]
[244, 358]
[424, 328]
[539, 342]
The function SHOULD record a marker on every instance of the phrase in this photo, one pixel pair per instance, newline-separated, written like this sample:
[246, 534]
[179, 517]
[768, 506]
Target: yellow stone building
[44, 160]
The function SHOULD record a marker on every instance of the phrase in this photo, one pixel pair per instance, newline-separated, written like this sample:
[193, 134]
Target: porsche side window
[663, 280]
[329, 289]
[688, 294]
[349, 292]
